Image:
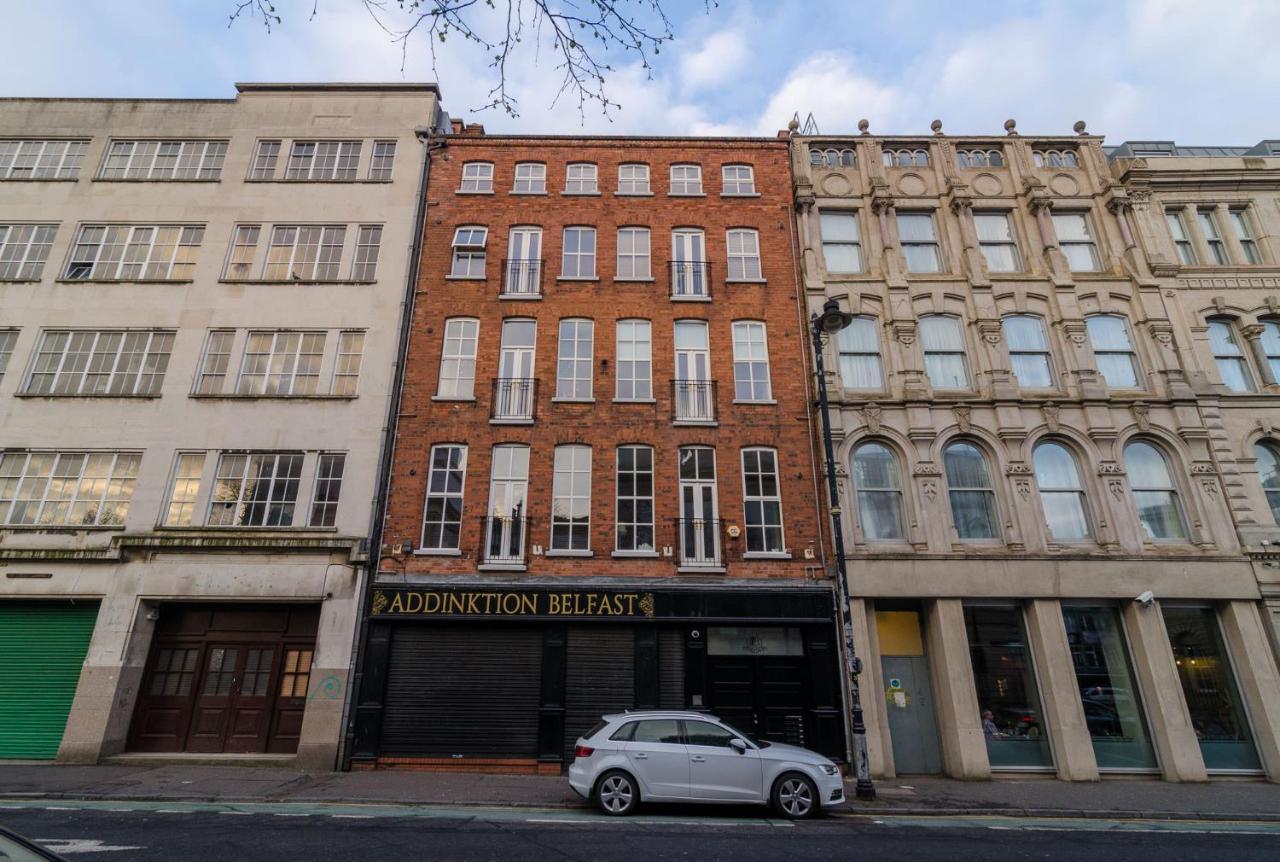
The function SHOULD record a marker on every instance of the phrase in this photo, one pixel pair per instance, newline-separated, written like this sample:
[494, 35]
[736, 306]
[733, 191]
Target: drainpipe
[355, 675]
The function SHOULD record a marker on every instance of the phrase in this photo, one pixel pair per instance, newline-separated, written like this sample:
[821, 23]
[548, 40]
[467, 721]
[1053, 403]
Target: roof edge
[341, 86]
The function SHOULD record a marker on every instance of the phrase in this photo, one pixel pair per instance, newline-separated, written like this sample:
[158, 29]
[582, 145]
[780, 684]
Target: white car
[670, 756]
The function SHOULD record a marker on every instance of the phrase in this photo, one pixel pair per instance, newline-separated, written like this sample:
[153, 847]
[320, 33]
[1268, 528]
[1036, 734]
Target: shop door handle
[698, 758]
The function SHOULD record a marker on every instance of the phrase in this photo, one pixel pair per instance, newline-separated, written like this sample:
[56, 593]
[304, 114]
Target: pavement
[916, 796]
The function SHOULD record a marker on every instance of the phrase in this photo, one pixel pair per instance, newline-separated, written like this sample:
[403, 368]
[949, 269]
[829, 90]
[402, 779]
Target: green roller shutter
[42, 648]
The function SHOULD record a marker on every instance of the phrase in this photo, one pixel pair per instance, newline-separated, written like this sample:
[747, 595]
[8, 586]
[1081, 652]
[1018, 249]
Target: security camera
[1146, 598]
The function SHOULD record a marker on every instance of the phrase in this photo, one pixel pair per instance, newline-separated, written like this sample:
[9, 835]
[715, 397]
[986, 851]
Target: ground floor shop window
[1108, 691]
[1008, 697]
[1210, 688]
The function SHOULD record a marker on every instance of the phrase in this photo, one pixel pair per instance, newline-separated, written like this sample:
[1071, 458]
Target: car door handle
[641, 756]
[698, 758]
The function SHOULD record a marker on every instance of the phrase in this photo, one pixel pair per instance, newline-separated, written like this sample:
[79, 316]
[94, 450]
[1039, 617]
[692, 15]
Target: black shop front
[506, 677]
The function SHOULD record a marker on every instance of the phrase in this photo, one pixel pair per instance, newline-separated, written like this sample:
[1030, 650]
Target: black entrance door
[757, 679]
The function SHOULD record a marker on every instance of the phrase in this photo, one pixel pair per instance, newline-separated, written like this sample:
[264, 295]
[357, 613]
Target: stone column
[1059, 692]
[1192, 220]
[1227, 231]
[1257, 678]
[1167, 713]
[1253, 336]
[322, 722]
[964, 751]
[871, 686]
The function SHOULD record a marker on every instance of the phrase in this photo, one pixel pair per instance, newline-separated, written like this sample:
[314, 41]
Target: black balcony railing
[690, 279]
[522, 277]
[700, 543]
[513, 398]
[503, 539]
[694, 400]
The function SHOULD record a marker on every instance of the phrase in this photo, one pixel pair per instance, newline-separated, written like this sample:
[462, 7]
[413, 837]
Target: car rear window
[600, 725]
[624, 733]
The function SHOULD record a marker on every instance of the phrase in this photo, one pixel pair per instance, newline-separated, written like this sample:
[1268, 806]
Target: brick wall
[604, 424]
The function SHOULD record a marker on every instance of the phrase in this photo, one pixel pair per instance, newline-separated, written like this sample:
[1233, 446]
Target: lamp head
[832, 319]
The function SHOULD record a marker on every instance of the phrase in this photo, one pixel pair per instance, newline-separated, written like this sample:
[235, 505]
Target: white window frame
[1239, 217]
[961, 352]
[458, 386]
[470, 250]
[1207, 220]
[738, 180]
[686, 180]
[563, 478]
[832, 217]
[906, 157]
[290, 366]
[160, 160]
[532, 176]
[328, 161]
[632, 264]
[1114, 351]
[57, 494]
[266, 159]
[743, 263]
[1182, 244]
[137, 249]
[1040, 353]
[1174, 492]
[636, 499]
[439, 476]
[314, 253]
[634, 185]
[762, 500]
[24, 250]
[932, 243]
[281, 497]
[1089, 244]
[183, 495]
[1228, 349]
[863, 493]
[1077, 491]
[477, 178]
[574, 372]
[853, 351]
[382, 161]
[581, 178]
[978, 157]
[326, 490]
[1048, 158]
[345, 380]
[990, 245]
[8, 339]
[364, 263]
[41, 159]
[100, 368]
[751, 362]
[579, 257]
[215, 362]
[628, 337]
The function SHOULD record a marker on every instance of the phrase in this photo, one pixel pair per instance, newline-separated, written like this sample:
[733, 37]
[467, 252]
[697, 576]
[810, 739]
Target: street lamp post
[831, 321]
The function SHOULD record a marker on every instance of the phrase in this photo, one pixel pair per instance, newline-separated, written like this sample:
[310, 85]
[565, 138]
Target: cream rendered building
[1034, 492]
[200, 310]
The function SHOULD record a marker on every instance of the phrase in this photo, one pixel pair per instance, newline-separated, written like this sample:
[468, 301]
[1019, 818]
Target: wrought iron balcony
[700, 543]
[502, 541]
[513, 399]
[694, 400]
[522, 277]
[690, 279]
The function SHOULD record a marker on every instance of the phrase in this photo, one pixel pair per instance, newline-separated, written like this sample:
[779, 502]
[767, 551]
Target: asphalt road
[195, 832]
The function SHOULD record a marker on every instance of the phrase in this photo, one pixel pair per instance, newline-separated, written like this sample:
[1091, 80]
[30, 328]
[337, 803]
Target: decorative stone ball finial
[863, 125]
[793, 125]
[1011, 126]
[1078, 128]
[936, 125]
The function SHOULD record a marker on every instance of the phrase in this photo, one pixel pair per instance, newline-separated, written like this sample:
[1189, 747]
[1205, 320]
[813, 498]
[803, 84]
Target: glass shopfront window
[1008, 697]
[1108, 691]
[1210, 688]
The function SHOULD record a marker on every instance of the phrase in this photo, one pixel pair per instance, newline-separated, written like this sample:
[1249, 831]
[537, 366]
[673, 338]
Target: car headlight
[830, 768]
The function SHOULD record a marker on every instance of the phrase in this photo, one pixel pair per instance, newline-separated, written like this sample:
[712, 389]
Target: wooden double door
[226, 679]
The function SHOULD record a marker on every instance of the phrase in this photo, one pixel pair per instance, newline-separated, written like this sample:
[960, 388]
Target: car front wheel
[795, 796]
[617, 794]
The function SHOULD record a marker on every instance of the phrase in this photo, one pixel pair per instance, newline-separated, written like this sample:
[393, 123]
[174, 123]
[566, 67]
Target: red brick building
[603, 486]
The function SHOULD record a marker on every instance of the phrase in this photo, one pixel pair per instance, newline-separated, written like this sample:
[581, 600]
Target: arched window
[1154, 494]
[973, 502]
[1061, 494]
[875, 479]
[1269, 474]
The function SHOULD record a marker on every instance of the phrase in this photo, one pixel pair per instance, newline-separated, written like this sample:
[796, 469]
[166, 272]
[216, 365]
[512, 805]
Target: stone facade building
[1041, 486]
[603, 490]
[199, 308]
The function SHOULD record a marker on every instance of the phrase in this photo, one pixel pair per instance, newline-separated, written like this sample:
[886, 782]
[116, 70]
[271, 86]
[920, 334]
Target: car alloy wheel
[616, 794]
[795, 797]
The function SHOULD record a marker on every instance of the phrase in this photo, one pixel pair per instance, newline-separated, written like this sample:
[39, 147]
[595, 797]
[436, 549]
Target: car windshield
[759, 743]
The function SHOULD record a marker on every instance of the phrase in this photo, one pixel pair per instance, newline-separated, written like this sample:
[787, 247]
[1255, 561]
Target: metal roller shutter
[42, 650]
[600, 678]
[671, 669]
[455, 690]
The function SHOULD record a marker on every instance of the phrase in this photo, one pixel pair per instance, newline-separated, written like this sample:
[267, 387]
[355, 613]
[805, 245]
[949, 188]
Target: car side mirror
[738, 745]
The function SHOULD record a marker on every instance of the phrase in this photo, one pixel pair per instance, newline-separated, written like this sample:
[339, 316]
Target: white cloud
[720, 59]
[830, 87]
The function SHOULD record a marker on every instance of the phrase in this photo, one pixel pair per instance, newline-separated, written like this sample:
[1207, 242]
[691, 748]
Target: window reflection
[1008, 698]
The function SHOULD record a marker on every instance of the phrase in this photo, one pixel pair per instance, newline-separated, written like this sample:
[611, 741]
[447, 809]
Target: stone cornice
[198, 541]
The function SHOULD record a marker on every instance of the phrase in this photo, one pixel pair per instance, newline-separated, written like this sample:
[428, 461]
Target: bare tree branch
[583, 35]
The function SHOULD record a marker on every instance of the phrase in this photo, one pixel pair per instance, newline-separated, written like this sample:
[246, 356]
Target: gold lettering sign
[495, 603]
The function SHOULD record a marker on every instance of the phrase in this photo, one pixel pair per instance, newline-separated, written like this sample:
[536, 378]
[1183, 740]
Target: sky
[1195, 71]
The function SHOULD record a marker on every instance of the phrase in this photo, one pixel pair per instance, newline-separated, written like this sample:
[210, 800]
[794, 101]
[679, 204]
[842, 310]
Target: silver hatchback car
[676, 756]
